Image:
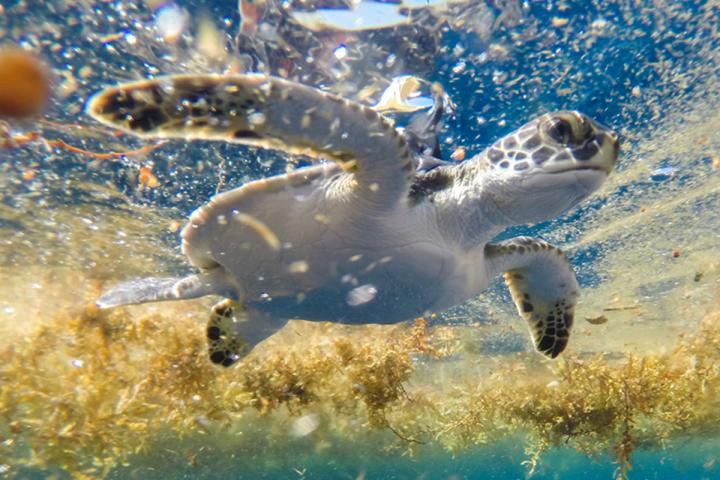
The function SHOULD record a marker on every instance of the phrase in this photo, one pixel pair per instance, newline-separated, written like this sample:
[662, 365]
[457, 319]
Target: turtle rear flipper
[267, 112]
[234, 330]
[155, 289]
[543, 287]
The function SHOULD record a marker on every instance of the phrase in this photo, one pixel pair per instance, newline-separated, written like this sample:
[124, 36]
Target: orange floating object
[146, 178]
[458, 154]
[24, 84]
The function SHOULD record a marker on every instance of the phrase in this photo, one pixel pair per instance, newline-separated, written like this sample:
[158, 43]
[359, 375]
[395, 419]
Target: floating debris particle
[559, 22]
[675, 253]
[301, 266]
[364, 15]
[322, 218]
[698, 276]
[170, 22]
[663, 174]
[68, 86]
[146, 178]
[636, 91]
[599, 24]
[174, 226]
[24, 84]
[361, 295]
[340, 52]
[85, 72]
[458, 154]
[459, 67]
[257, 118]
[402, 95]
[210, 40]
[305, 425]
[113, 37]
[265, 233]
[596, 320]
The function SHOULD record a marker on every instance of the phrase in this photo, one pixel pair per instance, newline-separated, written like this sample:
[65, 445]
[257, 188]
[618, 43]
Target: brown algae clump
[87, 390]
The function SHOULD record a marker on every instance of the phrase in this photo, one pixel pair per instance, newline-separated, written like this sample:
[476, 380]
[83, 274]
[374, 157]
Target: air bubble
[340, 52]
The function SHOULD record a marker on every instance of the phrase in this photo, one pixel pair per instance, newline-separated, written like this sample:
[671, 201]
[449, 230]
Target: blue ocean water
[638, 67]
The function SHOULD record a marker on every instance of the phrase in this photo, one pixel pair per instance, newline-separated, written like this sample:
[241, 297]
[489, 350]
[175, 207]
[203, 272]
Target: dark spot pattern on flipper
[551, 317]
[148, 119]
[157, 94]
[119, 102]
[270, 113]
[218, 357]
[546, 343]
[213, 333]
[240, 134]
[225, 347]
[527, 307]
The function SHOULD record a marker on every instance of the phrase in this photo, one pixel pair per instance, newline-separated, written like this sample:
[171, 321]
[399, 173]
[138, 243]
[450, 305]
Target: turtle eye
[560, 130]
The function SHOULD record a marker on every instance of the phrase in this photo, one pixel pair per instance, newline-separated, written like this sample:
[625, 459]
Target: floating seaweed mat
[88, 391]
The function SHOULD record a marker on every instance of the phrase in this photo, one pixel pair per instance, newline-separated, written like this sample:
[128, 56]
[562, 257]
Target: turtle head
[548, 166]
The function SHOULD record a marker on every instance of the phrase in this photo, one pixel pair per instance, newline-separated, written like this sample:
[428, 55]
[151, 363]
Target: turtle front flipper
[542, 284]
[268, 112]
[234, 330]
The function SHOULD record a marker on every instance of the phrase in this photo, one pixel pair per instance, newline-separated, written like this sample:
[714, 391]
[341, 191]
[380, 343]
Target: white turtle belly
[375, 288]
[323, 261]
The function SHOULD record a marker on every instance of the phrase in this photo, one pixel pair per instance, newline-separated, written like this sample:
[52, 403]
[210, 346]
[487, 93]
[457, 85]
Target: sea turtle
[363, 236]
